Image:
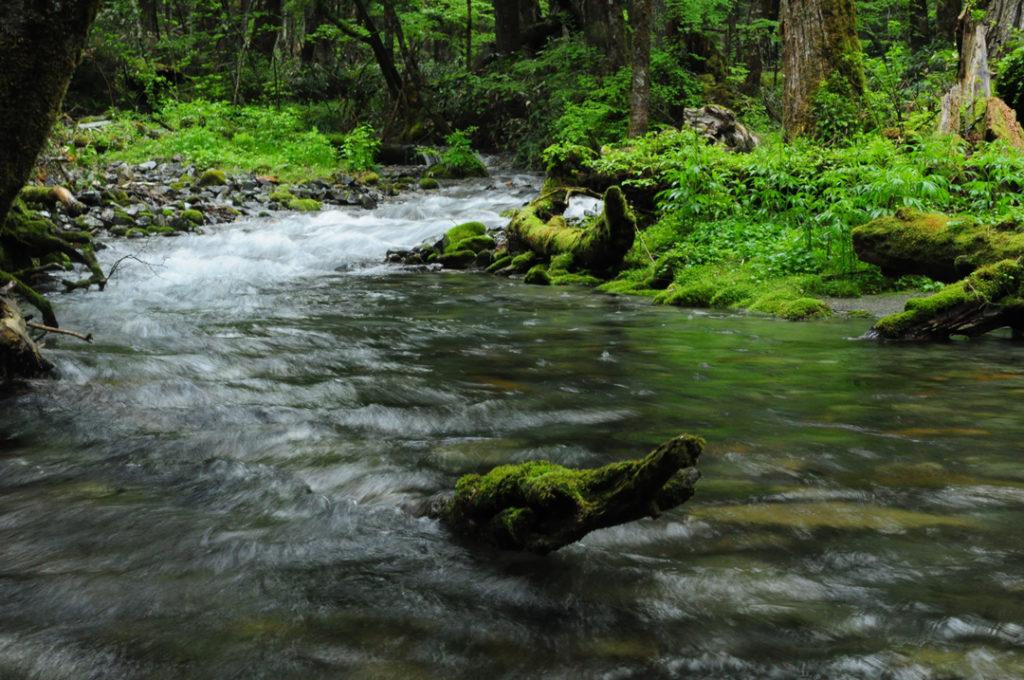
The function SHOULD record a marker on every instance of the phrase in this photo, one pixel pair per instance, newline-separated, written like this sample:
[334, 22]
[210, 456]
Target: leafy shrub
[358, 148]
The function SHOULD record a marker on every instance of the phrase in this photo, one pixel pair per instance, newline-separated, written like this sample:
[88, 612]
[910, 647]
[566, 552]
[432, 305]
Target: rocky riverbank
[172, 197]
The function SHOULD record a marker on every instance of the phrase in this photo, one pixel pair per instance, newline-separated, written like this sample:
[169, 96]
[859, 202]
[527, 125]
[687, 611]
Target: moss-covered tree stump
[598, 245]
[541, 507]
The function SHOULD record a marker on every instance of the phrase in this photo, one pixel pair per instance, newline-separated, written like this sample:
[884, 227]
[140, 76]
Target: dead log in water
[540, 507]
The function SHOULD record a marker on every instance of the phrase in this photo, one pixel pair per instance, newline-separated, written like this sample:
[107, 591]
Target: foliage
[358, 148]
[216, 134]
[1011, 81]
[789, 209]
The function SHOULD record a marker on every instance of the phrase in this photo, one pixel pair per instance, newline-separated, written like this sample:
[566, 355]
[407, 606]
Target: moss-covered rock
[455, 237]
[471, 168]
[429, 184]
[281, 195]
[304, 204]
[803, 308]
[538, 276]
[539, 506]
[212, 177]
[193, 216]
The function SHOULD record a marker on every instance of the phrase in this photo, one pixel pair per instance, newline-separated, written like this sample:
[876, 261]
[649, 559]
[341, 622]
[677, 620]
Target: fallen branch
[50, 329]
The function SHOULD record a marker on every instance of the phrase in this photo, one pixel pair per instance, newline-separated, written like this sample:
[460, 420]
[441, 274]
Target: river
[220, 485]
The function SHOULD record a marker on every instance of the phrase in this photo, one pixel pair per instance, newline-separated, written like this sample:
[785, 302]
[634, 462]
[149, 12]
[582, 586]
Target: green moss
[577, 279]
[804, 308]
[281, 195]
[471, 168]
[454, 237]
[460, 259]
[561, 263]
[212, 177]
[934, 245]
[996, 284]
[429, 184]
[538, 275]
[193, 216]
[500, 263]
[524, 261]
[368, 178]
[304, 204]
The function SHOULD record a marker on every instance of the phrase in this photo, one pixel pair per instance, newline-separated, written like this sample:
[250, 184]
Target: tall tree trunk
[640, 89]
[946, 13]
[1002, 17]
[507, 30]
[920, 29]
[819, 46]
[41, 42]
[758, 45]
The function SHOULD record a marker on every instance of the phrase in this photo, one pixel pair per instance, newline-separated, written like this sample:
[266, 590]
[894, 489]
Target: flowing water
[220, 486]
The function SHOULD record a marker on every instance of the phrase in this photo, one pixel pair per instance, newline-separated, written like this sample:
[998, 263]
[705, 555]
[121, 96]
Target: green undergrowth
[771, 229]
[260, 139]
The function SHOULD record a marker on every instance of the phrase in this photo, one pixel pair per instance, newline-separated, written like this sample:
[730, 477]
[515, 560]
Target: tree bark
[640, 87]
[41, 42]
[541, 507]
[1002, 17]
[819, 44]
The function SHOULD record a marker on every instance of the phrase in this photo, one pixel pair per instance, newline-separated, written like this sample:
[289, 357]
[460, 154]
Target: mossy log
[991, 297]
[598, 245]
[541, 507]
[19, 355]
[936, 246]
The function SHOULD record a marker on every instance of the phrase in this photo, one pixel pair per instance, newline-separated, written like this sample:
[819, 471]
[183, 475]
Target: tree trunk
[1003, 17]
[640, 87]
[41, 42]
[946, 13]
[918, 24]
[969, 109]
[541, 507]
[507, 30]
[820, 49]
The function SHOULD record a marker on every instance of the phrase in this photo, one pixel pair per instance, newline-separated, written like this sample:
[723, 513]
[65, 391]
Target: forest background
[846, 99]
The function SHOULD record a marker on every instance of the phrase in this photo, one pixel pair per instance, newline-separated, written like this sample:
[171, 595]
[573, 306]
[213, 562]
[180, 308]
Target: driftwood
[992, 297]
[19, 355]
[934, 245]
[541, 507]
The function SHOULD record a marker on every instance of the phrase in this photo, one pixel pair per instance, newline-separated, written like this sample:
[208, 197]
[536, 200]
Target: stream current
[219, 487]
